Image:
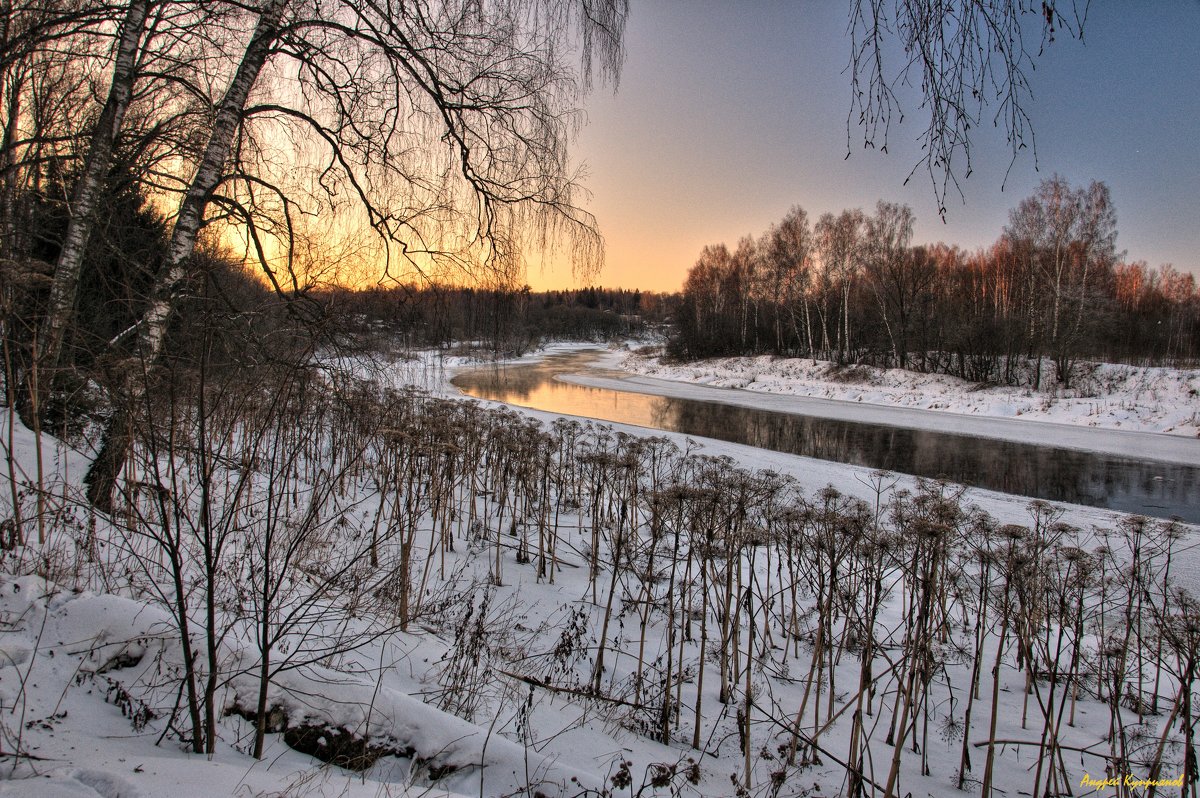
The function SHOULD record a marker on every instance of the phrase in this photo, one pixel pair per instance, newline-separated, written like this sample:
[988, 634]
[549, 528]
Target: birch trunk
[65, 287]
[165, 295]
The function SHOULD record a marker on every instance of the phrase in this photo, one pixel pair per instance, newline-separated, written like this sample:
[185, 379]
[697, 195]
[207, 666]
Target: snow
[79, 664]
[618, 367]
[1107, 397]
[72, 782]
[74, 649]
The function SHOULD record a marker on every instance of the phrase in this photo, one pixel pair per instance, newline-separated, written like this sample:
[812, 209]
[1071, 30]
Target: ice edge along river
[1136, 445]
[1155, 447]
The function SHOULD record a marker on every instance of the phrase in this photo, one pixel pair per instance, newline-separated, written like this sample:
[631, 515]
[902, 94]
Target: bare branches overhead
[969, 59]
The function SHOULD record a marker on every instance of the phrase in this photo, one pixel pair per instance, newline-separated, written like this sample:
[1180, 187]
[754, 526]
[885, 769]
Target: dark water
[1162, 490]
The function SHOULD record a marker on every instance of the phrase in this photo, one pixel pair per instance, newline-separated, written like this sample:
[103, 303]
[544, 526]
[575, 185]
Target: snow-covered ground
[78, 666]
[616, 368]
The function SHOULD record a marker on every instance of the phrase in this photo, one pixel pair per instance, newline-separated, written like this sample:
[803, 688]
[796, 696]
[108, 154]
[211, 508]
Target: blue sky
[728, 113]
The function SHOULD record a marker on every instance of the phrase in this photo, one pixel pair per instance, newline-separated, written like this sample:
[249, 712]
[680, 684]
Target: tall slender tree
[485, 92]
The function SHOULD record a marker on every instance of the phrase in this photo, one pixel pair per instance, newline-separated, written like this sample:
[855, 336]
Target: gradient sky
[728, 113]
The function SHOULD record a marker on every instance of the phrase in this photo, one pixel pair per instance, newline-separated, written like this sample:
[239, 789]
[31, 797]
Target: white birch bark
[65, 287]
[165, 295]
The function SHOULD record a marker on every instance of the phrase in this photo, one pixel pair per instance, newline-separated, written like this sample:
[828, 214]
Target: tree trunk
[165, 295]
[87, 191]
[101, 477]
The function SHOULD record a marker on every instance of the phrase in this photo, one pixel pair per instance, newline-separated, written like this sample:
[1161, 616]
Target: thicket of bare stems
[298, 514]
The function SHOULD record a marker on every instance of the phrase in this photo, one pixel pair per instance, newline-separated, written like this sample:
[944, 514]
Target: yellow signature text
[1128, 780]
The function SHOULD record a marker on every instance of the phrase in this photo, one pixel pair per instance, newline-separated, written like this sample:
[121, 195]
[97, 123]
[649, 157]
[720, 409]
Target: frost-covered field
[1105, 395]
[467, 601]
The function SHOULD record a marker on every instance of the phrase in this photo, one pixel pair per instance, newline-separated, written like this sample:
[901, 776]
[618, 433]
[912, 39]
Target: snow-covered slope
[495, 688]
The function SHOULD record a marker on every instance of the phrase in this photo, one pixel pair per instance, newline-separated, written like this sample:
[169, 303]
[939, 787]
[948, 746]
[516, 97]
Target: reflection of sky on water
[1157, 489]
[534, 386]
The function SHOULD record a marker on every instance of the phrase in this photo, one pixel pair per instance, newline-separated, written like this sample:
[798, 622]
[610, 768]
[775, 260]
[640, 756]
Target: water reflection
[1133, 486]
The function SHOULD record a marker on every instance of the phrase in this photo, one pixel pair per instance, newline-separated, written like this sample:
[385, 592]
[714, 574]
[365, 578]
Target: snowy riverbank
[1109, 396]
[90, 661]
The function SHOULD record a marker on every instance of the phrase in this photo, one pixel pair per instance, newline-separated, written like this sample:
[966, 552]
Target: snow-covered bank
[508, 681]
[951, 405]
[90, 679]
[616, 370]
[1109, 396]
[852, 480]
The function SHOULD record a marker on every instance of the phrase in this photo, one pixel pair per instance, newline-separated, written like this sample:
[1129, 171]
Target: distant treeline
[851, 288]
[504, 320]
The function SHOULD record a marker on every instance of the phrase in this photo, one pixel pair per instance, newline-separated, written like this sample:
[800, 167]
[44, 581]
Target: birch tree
[1068, 236]
[971, 59]
[88, 188]
[481, 95]
[839, 240]
[889, 270]
[788, 248]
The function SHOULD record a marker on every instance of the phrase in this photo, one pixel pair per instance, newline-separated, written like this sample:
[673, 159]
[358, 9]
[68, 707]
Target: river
[1147, 487]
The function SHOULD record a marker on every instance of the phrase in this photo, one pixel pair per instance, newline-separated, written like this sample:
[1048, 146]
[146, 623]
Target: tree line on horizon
[504, 320]
[852, 288]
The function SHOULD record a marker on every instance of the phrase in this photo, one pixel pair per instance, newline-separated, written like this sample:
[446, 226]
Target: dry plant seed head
[1013, 533]
[1072, 554]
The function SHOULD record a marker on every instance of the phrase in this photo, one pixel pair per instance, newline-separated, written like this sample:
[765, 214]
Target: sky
[728, 113]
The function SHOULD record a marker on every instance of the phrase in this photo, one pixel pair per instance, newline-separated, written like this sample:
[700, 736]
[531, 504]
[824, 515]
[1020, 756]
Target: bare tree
[140, 129]
[39, 72]
[788, 255]
[1067, 237]
[481, 92]
[88, 187]
[839, 240]
[890, 270]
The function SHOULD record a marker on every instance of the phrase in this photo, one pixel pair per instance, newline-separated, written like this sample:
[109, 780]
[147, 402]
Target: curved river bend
[1150, 488]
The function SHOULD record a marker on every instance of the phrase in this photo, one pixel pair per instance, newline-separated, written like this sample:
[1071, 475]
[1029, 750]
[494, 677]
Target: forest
[852, 288]
[503, 321]
[319, 144]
